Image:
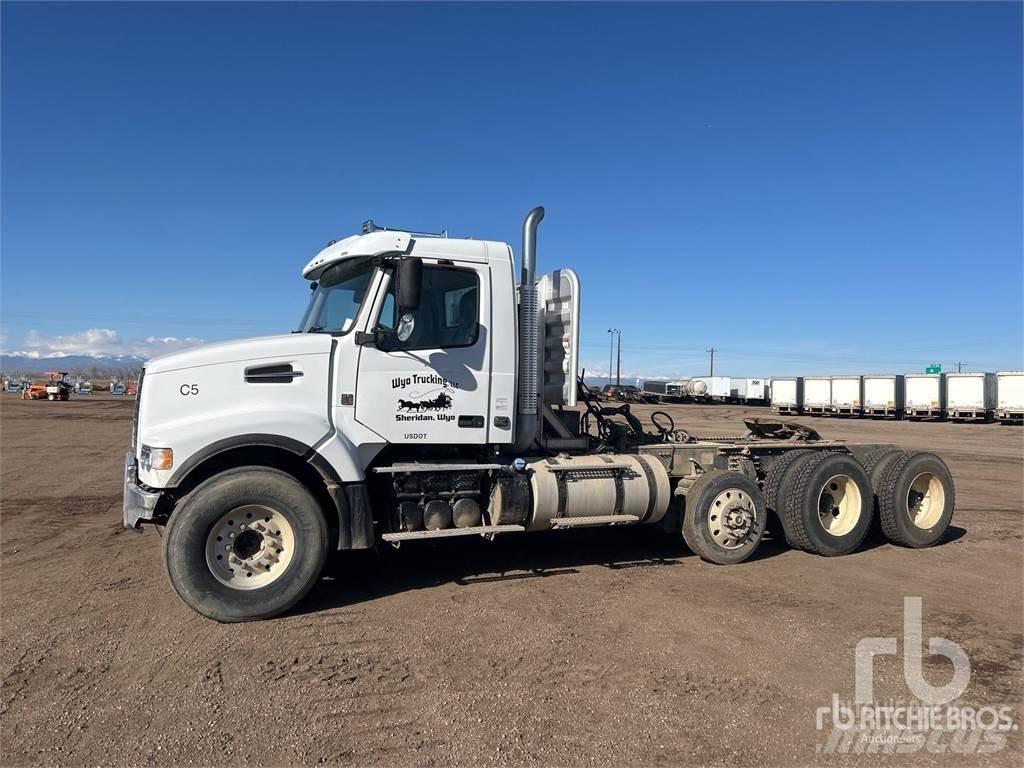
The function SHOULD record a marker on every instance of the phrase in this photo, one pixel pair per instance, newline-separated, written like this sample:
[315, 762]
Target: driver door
[434, 387]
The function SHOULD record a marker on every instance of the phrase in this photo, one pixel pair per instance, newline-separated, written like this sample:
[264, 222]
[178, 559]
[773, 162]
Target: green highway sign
[933, 369]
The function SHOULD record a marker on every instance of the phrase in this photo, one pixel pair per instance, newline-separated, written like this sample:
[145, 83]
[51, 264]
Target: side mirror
[410, 276]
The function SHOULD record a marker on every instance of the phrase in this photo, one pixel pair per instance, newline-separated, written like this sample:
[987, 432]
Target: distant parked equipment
[847, 395]
[1010, 397]
[697, 389]
[715, 387]
[737, 389]
[925, 395]
[971, 396]
[818, 395]
[884, 395]
[667, 391]
[757, 391]
[57, 388]
[117, 387]
[787, 394]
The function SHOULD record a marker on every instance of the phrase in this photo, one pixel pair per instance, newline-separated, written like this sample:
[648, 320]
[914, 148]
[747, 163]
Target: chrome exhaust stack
[529, 340]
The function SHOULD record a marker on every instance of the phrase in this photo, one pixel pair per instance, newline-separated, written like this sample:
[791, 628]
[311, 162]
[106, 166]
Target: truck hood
[242, 350]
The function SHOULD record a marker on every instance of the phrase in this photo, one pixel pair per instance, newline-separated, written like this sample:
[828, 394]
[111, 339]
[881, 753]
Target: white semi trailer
[971, 396]
[714, 388]
[925, 395]
[884, 395]
[818, 395]
[847, 395]
[747, 390]
[428, 393]
[787, 394]
[1010, 397]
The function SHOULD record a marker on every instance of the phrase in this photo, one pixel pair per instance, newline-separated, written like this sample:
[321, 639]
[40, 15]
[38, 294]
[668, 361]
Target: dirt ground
[600, 647]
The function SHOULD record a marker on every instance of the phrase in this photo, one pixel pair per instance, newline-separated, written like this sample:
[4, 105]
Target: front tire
[724, 517]
[246, 544]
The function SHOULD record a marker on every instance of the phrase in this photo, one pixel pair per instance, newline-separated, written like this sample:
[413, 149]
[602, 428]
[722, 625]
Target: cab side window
[448, 315]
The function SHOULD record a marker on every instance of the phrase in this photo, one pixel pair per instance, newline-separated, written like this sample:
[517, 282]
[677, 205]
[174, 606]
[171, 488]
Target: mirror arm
[365, 337]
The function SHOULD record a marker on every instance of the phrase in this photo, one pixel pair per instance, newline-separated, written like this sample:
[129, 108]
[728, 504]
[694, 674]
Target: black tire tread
[876, 457]
[773, 484]
[792, 512]
[689, 527]
[264, 473]
[887, 507]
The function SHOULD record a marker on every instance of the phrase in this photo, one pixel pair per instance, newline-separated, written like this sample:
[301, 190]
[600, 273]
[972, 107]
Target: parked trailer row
[967, 396]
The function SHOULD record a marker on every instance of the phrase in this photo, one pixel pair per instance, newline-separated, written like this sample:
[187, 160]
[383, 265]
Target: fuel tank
[597, 486]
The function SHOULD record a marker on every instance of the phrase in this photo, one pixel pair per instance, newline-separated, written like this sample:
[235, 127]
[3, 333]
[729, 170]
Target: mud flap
[355, 516]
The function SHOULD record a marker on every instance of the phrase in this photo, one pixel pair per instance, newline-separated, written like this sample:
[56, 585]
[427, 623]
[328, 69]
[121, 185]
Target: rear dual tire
[825, 503]
[817, 495]
[915, 498]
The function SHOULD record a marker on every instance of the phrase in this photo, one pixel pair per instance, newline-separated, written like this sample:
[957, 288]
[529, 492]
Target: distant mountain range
[22, 363]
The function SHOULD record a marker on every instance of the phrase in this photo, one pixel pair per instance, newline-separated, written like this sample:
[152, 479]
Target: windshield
[337, 297]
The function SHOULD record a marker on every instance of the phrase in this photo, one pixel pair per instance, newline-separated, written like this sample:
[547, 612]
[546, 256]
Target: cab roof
[384, 242]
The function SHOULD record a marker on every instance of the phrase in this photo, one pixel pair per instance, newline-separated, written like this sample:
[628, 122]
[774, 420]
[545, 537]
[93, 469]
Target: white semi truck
[427, 393]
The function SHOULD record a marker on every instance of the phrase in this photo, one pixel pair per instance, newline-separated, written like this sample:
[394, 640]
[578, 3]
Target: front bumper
[138, 504]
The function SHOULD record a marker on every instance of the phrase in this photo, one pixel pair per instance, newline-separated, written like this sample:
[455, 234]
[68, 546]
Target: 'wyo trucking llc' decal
[424, 404]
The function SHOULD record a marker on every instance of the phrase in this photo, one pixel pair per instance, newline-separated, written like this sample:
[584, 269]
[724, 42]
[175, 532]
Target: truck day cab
[428, 393]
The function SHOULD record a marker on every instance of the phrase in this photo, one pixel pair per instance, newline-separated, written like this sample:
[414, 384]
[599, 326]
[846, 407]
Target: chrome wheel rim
[250, 547]
[839, 505]
[926, 498]
[732, 519]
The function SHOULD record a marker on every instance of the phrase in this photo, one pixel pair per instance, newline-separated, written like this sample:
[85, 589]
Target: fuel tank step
[582, 522]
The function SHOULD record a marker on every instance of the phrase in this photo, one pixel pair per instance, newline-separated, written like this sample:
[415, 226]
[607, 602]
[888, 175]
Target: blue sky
[810, 187]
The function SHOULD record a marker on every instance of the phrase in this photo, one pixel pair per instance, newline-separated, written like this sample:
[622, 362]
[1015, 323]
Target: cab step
[481, 530]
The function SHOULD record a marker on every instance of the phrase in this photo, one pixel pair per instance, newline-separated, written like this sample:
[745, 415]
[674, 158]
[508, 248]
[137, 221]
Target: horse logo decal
[440, 403]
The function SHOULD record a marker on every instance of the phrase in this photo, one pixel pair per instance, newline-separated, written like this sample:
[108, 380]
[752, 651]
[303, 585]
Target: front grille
[135, 414]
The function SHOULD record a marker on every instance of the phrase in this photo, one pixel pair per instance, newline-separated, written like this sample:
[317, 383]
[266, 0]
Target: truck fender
[351, 501]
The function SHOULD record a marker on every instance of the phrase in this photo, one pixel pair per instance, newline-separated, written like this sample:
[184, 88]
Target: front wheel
[246, 544]
[724, 517]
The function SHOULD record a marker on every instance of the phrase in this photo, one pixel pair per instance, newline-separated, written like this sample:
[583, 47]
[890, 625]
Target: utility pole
[611, 351]
[618, 365]
[712, 350]
[959, 367]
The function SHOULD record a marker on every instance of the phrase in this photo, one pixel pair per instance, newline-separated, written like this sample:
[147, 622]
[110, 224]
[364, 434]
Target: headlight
[156, 458]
